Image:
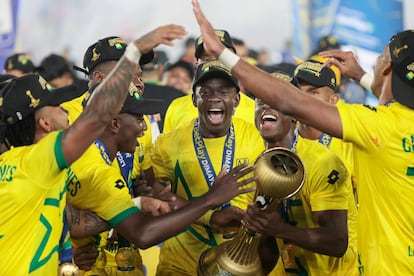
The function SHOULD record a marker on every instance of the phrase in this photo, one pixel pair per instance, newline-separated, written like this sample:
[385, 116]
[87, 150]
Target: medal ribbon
[294, 141]
[126, 163]
[65, 247]
[204, 159]
[104, 151]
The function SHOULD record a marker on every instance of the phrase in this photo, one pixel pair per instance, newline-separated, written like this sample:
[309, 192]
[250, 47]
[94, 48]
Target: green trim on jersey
[123, 215]
[60, 159]
[179, 175]
[52, 202]
[211, 241]
[37, 262]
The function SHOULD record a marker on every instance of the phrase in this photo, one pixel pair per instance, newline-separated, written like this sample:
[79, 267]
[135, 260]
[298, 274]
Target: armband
[366, 81]
[228, 58]
[137, 202]
[132, 53]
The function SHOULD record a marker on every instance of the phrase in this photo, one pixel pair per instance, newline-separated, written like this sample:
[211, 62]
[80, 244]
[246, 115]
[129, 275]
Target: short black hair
[53, 66]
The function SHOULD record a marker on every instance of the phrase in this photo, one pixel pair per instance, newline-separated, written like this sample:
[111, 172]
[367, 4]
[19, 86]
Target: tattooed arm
[83, 223]
[107, 99]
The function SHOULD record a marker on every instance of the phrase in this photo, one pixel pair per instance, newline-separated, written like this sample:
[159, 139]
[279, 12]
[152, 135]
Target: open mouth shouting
[216, 115]
[268, 121]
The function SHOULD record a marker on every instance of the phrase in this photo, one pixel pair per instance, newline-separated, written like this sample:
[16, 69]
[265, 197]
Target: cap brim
[312, 80]
[297, 60]
[80, 69]
[147, 58]
[146, 106]
[215, 74]
[63, 94]
[402, 92]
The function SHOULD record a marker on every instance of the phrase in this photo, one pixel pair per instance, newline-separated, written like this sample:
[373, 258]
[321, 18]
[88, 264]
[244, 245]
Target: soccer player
[33, 184]
[321, 219]
[95, 170]
[190, 156]
[114, 149]
[323, 82]
[181, 110]
[382, 139]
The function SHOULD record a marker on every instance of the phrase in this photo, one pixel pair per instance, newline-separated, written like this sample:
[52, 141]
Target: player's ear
[115, 125]
[45, 124]
[237, 99]
[334, 98]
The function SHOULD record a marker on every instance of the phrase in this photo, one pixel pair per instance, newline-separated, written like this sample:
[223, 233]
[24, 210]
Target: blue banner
[301, 28]
[363, 24]
[8, 29]
[368, 24]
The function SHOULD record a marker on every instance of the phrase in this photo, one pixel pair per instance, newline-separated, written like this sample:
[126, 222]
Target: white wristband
[228, 58]
[132, 53]
[137, 201]
[366, 81]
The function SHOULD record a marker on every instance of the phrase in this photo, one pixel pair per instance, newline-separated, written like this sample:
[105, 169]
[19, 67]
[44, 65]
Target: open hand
[211, 44]
[161, 35]
[346, 62]
[227, 185]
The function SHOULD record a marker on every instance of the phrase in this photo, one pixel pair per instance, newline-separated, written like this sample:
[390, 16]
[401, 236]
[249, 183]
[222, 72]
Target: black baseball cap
[213, 69]
[224, 37]
[402, 58]
[315, 73]
[135, 103]
[19, 61]
[285, 76]
[107, 49]
[22, 96]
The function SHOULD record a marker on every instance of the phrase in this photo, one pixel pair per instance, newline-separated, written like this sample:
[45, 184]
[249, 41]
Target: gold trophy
[68, 269]
[281, 175]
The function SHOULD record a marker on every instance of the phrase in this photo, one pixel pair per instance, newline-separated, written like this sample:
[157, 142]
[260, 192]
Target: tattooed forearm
[72, 215]
[94, 224]
[83, 223]
[107, 99]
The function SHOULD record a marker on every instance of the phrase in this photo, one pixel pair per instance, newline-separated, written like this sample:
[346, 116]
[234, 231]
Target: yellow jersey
[33, 198]
[174, 159]
[383, 140]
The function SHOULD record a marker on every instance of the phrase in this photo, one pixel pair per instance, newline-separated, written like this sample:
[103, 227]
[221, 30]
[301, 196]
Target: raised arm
[108, 98]
[276, 93]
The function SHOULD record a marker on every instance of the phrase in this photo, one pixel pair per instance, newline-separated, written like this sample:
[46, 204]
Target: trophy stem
[243, 249]
[236, 257]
